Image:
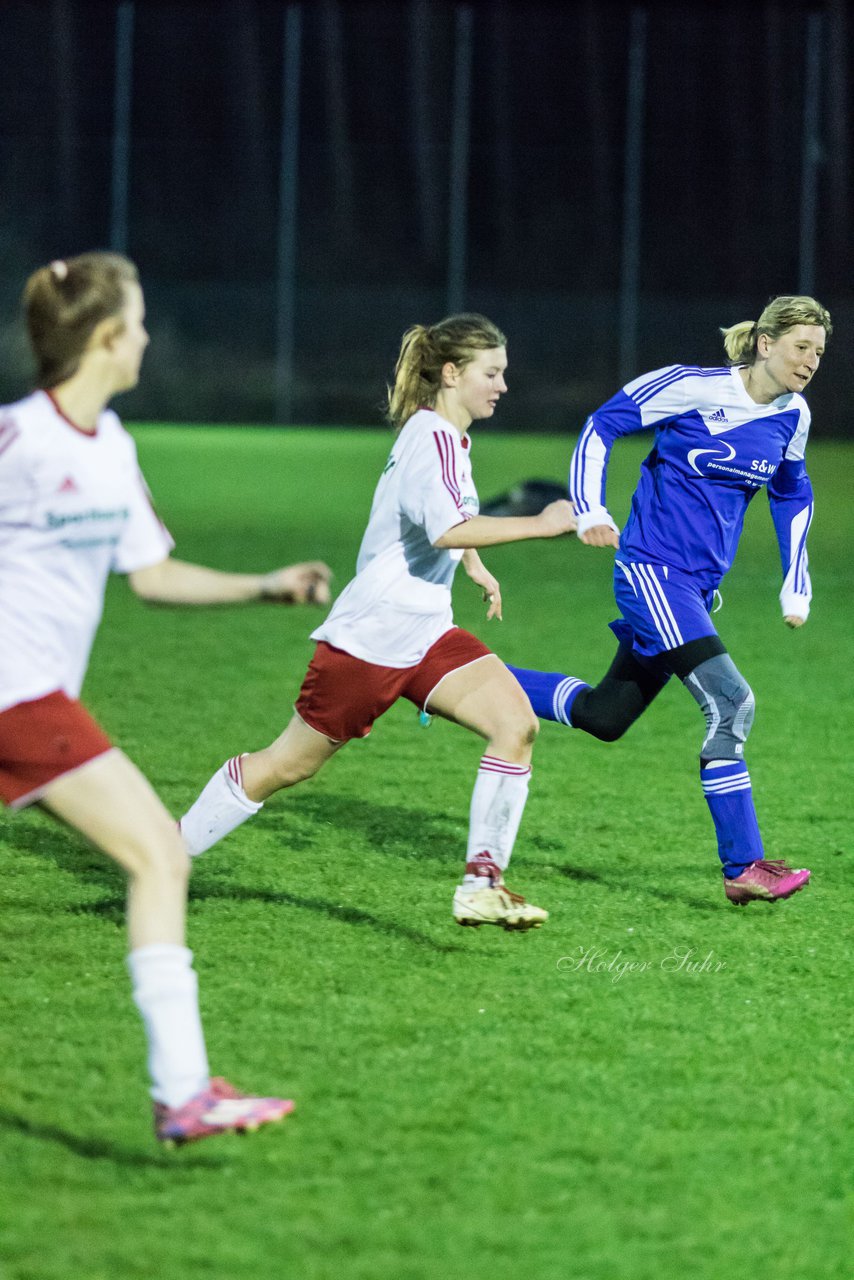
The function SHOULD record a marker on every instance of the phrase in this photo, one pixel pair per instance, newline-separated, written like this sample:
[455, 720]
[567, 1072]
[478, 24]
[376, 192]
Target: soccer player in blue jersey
[721, 435]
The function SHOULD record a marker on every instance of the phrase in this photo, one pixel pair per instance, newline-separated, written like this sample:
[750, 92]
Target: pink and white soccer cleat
[217, 1109]
[765, 880]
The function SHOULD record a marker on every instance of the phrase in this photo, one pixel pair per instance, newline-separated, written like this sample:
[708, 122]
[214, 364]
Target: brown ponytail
[65, 302]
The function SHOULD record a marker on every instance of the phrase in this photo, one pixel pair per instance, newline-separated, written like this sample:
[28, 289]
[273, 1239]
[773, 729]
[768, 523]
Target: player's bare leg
[295, 755]
[485, 698]
[110, 802]
[114, 806]
[239, 788]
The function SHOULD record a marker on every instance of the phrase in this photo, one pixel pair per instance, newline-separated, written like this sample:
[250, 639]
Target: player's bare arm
[178, 582]
[553, 521]
[481, 577]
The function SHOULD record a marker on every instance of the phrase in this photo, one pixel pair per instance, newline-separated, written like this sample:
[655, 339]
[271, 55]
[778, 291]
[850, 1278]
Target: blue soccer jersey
[714, 449]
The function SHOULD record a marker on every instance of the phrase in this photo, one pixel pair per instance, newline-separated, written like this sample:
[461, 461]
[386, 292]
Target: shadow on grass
[70, 854]
[100, 1149]
[114, 909]
[66, 849]
[380, 825]
[412, 834]
[615, 882]
[298, 822]
[581, 874]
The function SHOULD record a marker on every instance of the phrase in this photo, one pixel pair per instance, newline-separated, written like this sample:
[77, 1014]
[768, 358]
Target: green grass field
[470, 1104]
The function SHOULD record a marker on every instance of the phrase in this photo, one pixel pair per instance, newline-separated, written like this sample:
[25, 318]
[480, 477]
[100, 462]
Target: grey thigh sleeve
[727, 703]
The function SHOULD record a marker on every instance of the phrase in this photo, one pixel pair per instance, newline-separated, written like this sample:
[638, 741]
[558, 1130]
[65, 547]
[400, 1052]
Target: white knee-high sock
[497, 805]
[222, 806]
[165, 990]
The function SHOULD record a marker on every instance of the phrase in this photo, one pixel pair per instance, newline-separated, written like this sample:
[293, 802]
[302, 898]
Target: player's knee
[608, 730]
[604, 712]
[524, 727]
[728, 704]
[529, 726]
[743, 722]
[159, 853]
[726, 740]
[528, 733]
[286, 769]
[176, 865]
[514, 733]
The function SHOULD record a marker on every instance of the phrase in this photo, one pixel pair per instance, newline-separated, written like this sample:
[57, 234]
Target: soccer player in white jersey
[391, 632]
[721, 436]
[73, 507]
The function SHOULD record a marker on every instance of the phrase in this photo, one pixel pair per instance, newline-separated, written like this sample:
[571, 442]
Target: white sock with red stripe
[497, 805]
[222, 806]
[165, 990]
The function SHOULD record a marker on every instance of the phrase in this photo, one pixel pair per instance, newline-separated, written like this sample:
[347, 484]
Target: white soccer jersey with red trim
[73, 506]
[399, 603]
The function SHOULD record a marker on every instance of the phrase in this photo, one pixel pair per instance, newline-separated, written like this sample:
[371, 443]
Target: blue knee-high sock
[550, 693]
[726, 786]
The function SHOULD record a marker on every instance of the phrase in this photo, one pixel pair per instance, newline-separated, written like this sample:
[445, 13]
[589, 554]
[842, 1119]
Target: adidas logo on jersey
[718, 416]
[69, 485]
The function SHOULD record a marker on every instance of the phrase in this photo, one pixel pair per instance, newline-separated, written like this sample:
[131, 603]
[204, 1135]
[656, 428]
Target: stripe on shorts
[659, 608]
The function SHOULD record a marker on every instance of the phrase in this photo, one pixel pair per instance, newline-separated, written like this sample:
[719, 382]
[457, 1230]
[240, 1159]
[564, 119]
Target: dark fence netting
[299, 182]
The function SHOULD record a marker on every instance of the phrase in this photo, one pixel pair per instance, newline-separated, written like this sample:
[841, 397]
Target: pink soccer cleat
[765, 880]
[217, 1109]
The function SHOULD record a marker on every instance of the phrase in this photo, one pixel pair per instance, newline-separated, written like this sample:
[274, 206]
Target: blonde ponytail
[781, 315]
[740, 342]
[415, 382]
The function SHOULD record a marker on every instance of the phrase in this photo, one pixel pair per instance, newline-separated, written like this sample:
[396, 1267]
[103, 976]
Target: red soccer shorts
[342, 696]
[42, 740]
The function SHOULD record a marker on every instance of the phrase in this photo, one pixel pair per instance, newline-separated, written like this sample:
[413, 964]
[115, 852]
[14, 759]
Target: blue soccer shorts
[663, 607]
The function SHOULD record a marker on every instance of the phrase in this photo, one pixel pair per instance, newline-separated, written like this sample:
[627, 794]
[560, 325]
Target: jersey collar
[83, 431]
[780, 403]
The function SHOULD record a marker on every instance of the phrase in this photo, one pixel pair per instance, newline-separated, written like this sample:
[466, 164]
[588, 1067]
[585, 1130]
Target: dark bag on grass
[527, 498]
